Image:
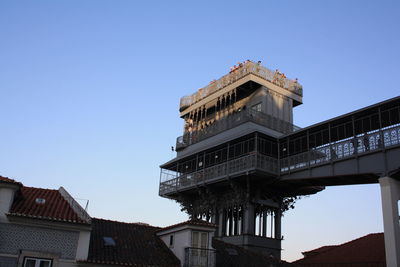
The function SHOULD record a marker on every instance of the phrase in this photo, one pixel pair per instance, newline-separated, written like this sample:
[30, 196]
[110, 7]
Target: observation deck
[238, 72]
[232, 121]
[268, 96]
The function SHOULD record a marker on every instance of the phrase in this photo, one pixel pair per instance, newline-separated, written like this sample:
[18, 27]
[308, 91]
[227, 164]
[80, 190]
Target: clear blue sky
[90, 90]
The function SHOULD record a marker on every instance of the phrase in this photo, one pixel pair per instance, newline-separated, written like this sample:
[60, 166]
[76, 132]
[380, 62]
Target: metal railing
[232, 121]
[232, 167]
[347, 148]
[244, 69]
[199, 257]
[350, 147]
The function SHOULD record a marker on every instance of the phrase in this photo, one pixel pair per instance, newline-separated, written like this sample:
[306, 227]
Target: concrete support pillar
[230, 216]
[214, 218]
[235, 219]
[249, 219]
[264, 223]
[221, 223]
[390, 193]
[278, 223]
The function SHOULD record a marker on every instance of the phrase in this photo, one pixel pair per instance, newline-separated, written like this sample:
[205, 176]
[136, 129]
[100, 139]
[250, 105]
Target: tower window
[171, 240]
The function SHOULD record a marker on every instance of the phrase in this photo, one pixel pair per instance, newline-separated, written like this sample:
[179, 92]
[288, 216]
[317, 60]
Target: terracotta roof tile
[134, 245]
[9, 181]
[229, 255]
[190, 222]
[369, 249]
[54, 208]
[317, 251]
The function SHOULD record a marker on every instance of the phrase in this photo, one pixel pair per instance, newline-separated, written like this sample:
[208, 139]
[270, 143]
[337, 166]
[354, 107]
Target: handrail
[242, 70]
[347, 148]
[231, 167]
[365, 143]
[233, 120]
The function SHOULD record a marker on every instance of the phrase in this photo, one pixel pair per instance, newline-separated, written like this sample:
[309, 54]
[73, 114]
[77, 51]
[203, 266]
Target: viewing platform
[240, 71]
[232, 121]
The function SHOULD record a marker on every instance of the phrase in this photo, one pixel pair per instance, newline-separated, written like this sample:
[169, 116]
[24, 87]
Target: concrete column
[278, 223]
[264, 223]
[215, 220]
[235, 219]
[230, 216]
[390, 193]
[249, 219]
[220, 222]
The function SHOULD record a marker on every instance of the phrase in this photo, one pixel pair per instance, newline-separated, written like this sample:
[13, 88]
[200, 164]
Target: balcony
[234, 120]
[174, 181]
[199, 257]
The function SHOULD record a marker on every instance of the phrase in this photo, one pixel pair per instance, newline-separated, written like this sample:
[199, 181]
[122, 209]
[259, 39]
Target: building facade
[41, 227]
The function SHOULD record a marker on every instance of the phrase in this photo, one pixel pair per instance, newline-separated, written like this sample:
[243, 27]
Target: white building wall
[6, 198]
[83, 245]
[182, 240]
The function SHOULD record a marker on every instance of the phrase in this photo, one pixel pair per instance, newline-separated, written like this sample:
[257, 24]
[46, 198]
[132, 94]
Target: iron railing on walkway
[365, 143]
[347, 148]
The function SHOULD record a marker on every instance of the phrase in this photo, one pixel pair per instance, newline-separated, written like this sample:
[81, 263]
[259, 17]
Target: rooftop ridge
[320, 248]
[194, 222]
[362, 237]
[5, 179]
[130, 223]
[40, 188]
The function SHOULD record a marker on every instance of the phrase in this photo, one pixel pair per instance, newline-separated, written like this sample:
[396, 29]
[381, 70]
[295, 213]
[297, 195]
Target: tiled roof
[9, 181]
[134, 245]
[367, 250]
[229, 255]
[317, 251]
[45, 204]
[189, 222]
